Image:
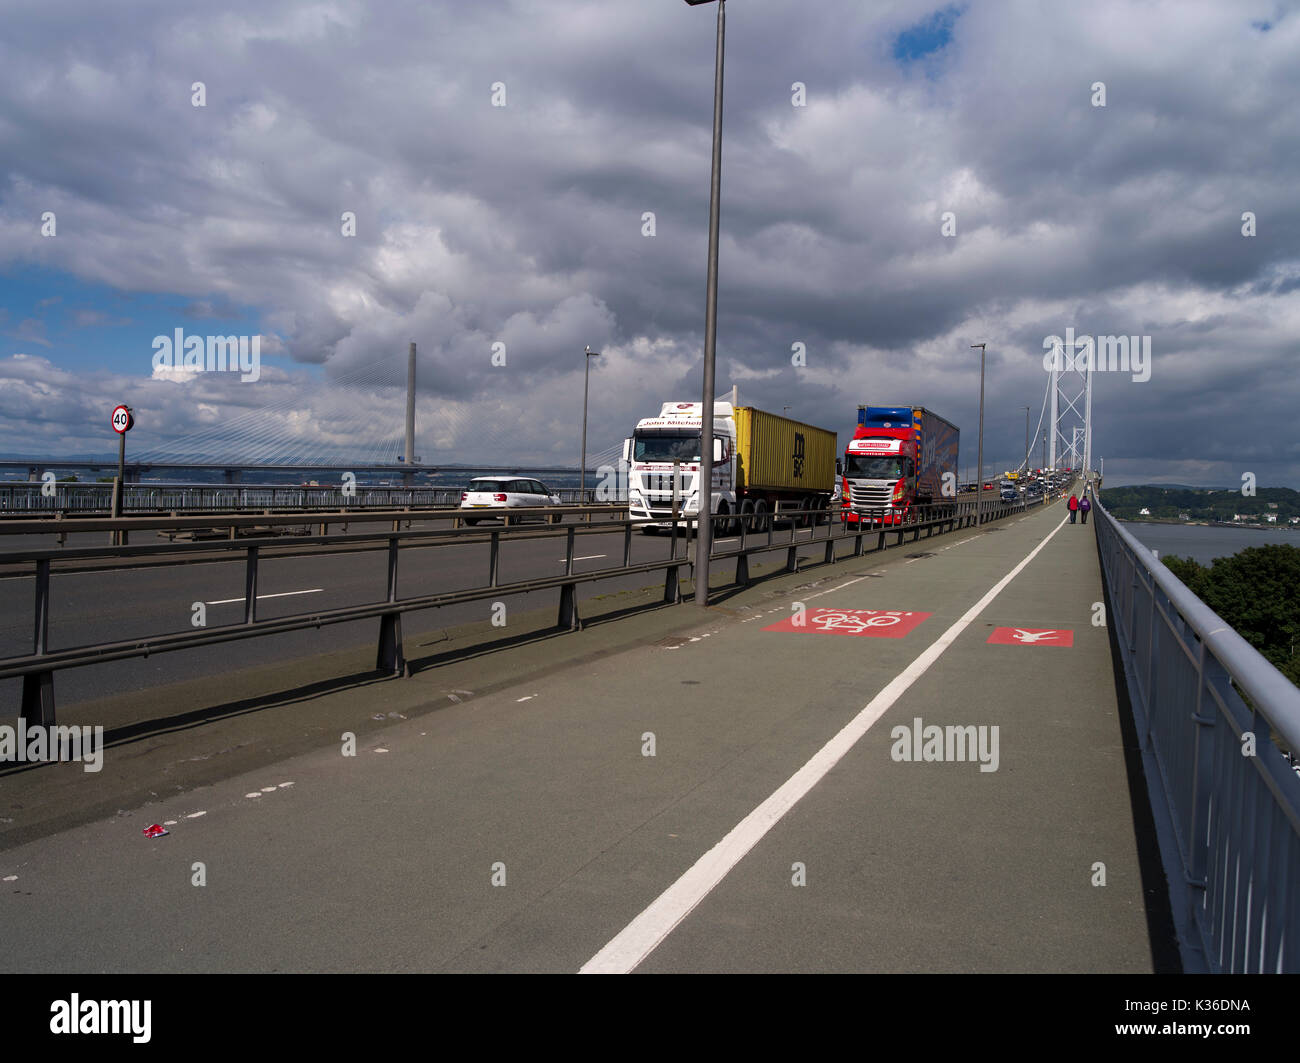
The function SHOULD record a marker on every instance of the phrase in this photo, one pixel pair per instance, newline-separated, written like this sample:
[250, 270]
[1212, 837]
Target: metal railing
[96, 498]
[1225, 798]
[826, 528]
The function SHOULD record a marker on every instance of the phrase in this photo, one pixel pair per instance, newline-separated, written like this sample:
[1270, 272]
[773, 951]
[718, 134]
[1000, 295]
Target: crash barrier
[85, 499]
[1218, 726]
[752, 535]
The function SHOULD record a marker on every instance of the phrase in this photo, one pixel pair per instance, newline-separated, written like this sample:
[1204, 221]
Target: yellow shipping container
[777, 454]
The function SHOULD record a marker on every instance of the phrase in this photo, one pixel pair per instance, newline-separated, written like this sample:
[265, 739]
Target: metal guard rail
[37, 668]
[28, 497]
[1228, 823]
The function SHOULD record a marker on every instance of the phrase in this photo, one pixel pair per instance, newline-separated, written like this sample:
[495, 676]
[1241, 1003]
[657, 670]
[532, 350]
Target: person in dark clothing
[1084, 506]
[1074, 507]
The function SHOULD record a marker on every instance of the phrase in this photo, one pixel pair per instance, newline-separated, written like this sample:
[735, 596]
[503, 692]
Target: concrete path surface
[529, 828]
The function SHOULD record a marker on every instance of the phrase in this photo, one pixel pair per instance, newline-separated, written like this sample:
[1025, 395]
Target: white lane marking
[850, 583]
[196, 815]
[647, 931]
[585, 557]
[282, 594]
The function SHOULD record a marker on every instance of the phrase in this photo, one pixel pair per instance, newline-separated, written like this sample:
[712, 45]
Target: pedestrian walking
[1084, 506]
[1074, 507]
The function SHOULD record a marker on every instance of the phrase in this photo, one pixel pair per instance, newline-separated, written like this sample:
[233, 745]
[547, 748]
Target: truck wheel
[760, 515]
[723, 527]
[747, 514]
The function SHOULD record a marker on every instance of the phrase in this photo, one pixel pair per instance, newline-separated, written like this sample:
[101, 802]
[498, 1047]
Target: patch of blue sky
[81, 325]
[927, 37]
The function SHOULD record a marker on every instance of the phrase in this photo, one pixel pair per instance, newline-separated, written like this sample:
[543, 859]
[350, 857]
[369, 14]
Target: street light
[582, 472]
[704, 527]
[979, 476]
[1026, 409]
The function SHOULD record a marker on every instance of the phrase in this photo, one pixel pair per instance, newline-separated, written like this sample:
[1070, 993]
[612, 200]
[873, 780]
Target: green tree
[1257, 591]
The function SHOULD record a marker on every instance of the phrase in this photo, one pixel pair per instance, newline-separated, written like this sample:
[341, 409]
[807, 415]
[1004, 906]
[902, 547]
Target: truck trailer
[899, 457]
[763, 464]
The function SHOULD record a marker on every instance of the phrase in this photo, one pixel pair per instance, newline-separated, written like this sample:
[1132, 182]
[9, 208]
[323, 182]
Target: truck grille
[864, 496]
[660, 485]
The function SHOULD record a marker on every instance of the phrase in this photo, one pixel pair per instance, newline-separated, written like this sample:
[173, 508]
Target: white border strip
[647, 931]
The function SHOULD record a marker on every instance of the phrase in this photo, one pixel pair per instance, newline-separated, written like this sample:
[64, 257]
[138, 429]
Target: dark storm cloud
[522, 225]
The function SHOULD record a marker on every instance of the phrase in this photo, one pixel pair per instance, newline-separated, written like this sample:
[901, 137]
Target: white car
[506, 492]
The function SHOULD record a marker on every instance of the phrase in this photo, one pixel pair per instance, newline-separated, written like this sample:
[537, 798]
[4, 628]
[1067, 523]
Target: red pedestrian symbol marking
[1021, 636]
[872, 623]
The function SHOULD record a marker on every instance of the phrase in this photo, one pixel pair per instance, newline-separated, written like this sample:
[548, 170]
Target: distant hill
[1171, 501]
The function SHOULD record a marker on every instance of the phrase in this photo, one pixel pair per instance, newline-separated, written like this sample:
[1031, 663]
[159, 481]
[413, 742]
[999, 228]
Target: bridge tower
[1070, 390]
[408, 476]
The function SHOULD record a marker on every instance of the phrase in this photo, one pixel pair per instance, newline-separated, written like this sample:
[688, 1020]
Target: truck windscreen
[666, 446]
[863, 467]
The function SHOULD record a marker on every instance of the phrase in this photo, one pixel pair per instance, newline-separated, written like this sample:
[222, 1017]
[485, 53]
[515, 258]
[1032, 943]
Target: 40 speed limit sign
[122, 420]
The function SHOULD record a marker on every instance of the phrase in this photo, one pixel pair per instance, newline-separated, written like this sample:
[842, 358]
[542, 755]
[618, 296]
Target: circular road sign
[122, 419]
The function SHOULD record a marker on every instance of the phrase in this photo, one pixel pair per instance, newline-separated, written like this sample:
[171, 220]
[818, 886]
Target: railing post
[568, 616]
[672, 587]
[38, 688]
[627, 542]
[494, 558]
[250, 587]
[1207, 735]
[390, 657]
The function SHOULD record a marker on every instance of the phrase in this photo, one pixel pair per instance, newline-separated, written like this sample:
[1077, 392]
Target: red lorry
[898, 458]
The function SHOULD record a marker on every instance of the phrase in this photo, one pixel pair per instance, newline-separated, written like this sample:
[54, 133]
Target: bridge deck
[385, 861]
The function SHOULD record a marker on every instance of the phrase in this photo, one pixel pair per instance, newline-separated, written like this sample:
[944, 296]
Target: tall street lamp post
[582, 472]
[979, 476]
[704, 484]
[1026, 439]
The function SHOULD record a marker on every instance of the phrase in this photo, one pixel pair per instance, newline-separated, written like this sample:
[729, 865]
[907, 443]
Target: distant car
[1010, 494]
[506, 492]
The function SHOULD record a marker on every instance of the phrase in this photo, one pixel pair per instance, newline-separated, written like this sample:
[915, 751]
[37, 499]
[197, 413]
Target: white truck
[762, 464]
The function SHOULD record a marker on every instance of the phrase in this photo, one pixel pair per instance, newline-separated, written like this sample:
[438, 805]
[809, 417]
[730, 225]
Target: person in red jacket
[1074, 507]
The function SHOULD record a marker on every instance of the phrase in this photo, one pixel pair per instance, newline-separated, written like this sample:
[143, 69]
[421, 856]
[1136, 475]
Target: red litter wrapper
[155, 830]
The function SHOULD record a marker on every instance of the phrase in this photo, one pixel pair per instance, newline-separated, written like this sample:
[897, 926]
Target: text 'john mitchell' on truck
[763, 464]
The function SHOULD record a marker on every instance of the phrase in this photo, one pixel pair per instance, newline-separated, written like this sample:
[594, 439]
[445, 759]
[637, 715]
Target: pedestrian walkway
[576, 820]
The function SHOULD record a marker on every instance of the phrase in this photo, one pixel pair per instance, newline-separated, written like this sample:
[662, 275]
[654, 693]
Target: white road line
[586, 557]
[647, 931]
[850, 583]
[282, 594]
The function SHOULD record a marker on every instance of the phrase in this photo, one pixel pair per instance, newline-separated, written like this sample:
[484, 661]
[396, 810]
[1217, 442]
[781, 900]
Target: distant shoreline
[1205, 523]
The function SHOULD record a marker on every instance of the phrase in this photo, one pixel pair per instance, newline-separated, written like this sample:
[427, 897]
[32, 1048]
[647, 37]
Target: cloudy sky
[528, 177]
